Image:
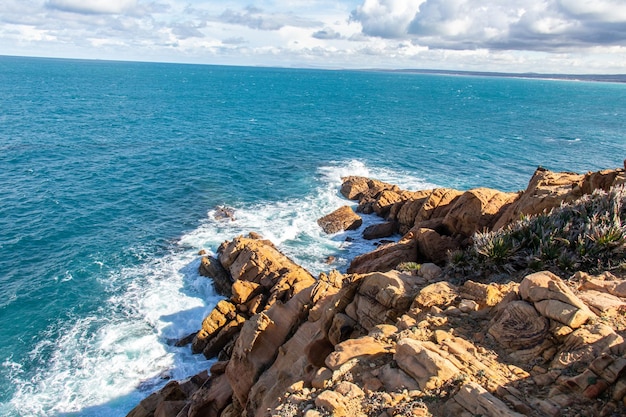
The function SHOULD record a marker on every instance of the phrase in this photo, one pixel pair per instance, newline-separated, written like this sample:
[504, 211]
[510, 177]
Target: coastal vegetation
[587, 234]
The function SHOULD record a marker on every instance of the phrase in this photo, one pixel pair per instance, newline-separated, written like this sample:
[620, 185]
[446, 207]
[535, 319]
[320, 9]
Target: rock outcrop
[382, 342]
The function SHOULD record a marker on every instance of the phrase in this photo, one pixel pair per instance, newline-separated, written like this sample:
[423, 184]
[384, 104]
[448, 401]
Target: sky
[543, 36]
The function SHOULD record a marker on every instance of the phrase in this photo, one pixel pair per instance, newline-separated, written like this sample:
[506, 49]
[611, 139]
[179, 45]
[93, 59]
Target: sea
[112, 173]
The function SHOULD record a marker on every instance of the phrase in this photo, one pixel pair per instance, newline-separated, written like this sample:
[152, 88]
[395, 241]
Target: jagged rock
[243, 291]
[546, 190]
[223, 312]
[408, 211]
[603, 180]
[437, 204]
[433, 247]
[380, 230]
[427, 367]
[553, 299]
[476, 210]
[359, 188]
[385, 200]
[386, 257]
[606, 282]
[344, 218]
[212, 268]
[381, 298]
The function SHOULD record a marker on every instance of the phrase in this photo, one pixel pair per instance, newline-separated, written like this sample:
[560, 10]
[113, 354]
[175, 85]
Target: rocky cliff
[404, 333]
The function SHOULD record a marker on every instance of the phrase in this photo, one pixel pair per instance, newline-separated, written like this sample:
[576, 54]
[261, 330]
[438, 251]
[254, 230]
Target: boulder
[344, 218]
[440, 294]
[553, 299]
[379, 230]
[386, 257]
[476, 210]
[427, 367]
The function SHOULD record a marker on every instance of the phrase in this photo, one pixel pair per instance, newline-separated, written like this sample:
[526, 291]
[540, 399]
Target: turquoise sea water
[110, 173]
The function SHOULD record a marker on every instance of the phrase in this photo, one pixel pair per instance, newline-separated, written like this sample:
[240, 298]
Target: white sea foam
[104, 364]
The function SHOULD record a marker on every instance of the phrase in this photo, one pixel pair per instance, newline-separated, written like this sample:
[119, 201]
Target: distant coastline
[607, 78]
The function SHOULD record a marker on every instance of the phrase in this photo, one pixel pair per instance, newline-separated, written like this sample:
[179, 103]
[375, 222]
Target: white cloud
[93, 6]
[499, 35]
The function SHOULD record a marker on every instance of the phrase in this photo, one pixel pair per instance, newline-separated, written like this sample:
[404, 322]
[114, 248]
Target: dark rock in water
[212, 268]
[330, 259]
[184, 341]
[224, 213]
[376, 231]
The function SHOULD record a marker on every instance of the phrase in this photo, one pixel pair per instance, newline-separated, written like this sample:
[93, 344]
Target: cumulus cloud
[93, 6]
[542, 25]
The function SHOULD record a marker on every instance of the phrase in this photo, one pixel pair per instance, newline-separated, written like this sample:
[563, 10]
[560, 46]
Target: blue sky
[563, 36]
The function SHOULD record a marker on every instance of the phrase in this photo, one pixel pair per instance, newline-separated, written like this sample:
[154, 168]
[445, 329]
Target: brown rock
[437, 204]
[440, 294]
[243, 291]
[380, 230]
[223, 312]
[427, 367]
[408, 211]
[364, 347]
[332, 402]
[553, 299]
[344, 218]
[476, 210]
[433, 247]
[478, 401]
[212, 268]
[546, 190]
[602, 303]
[359, 188]
[521, 330]
[386, 257]
[603, 180]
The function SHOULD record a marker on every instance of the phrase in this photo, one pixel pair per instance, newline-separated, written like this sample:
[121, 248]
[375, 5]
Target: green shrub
[588, 234]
